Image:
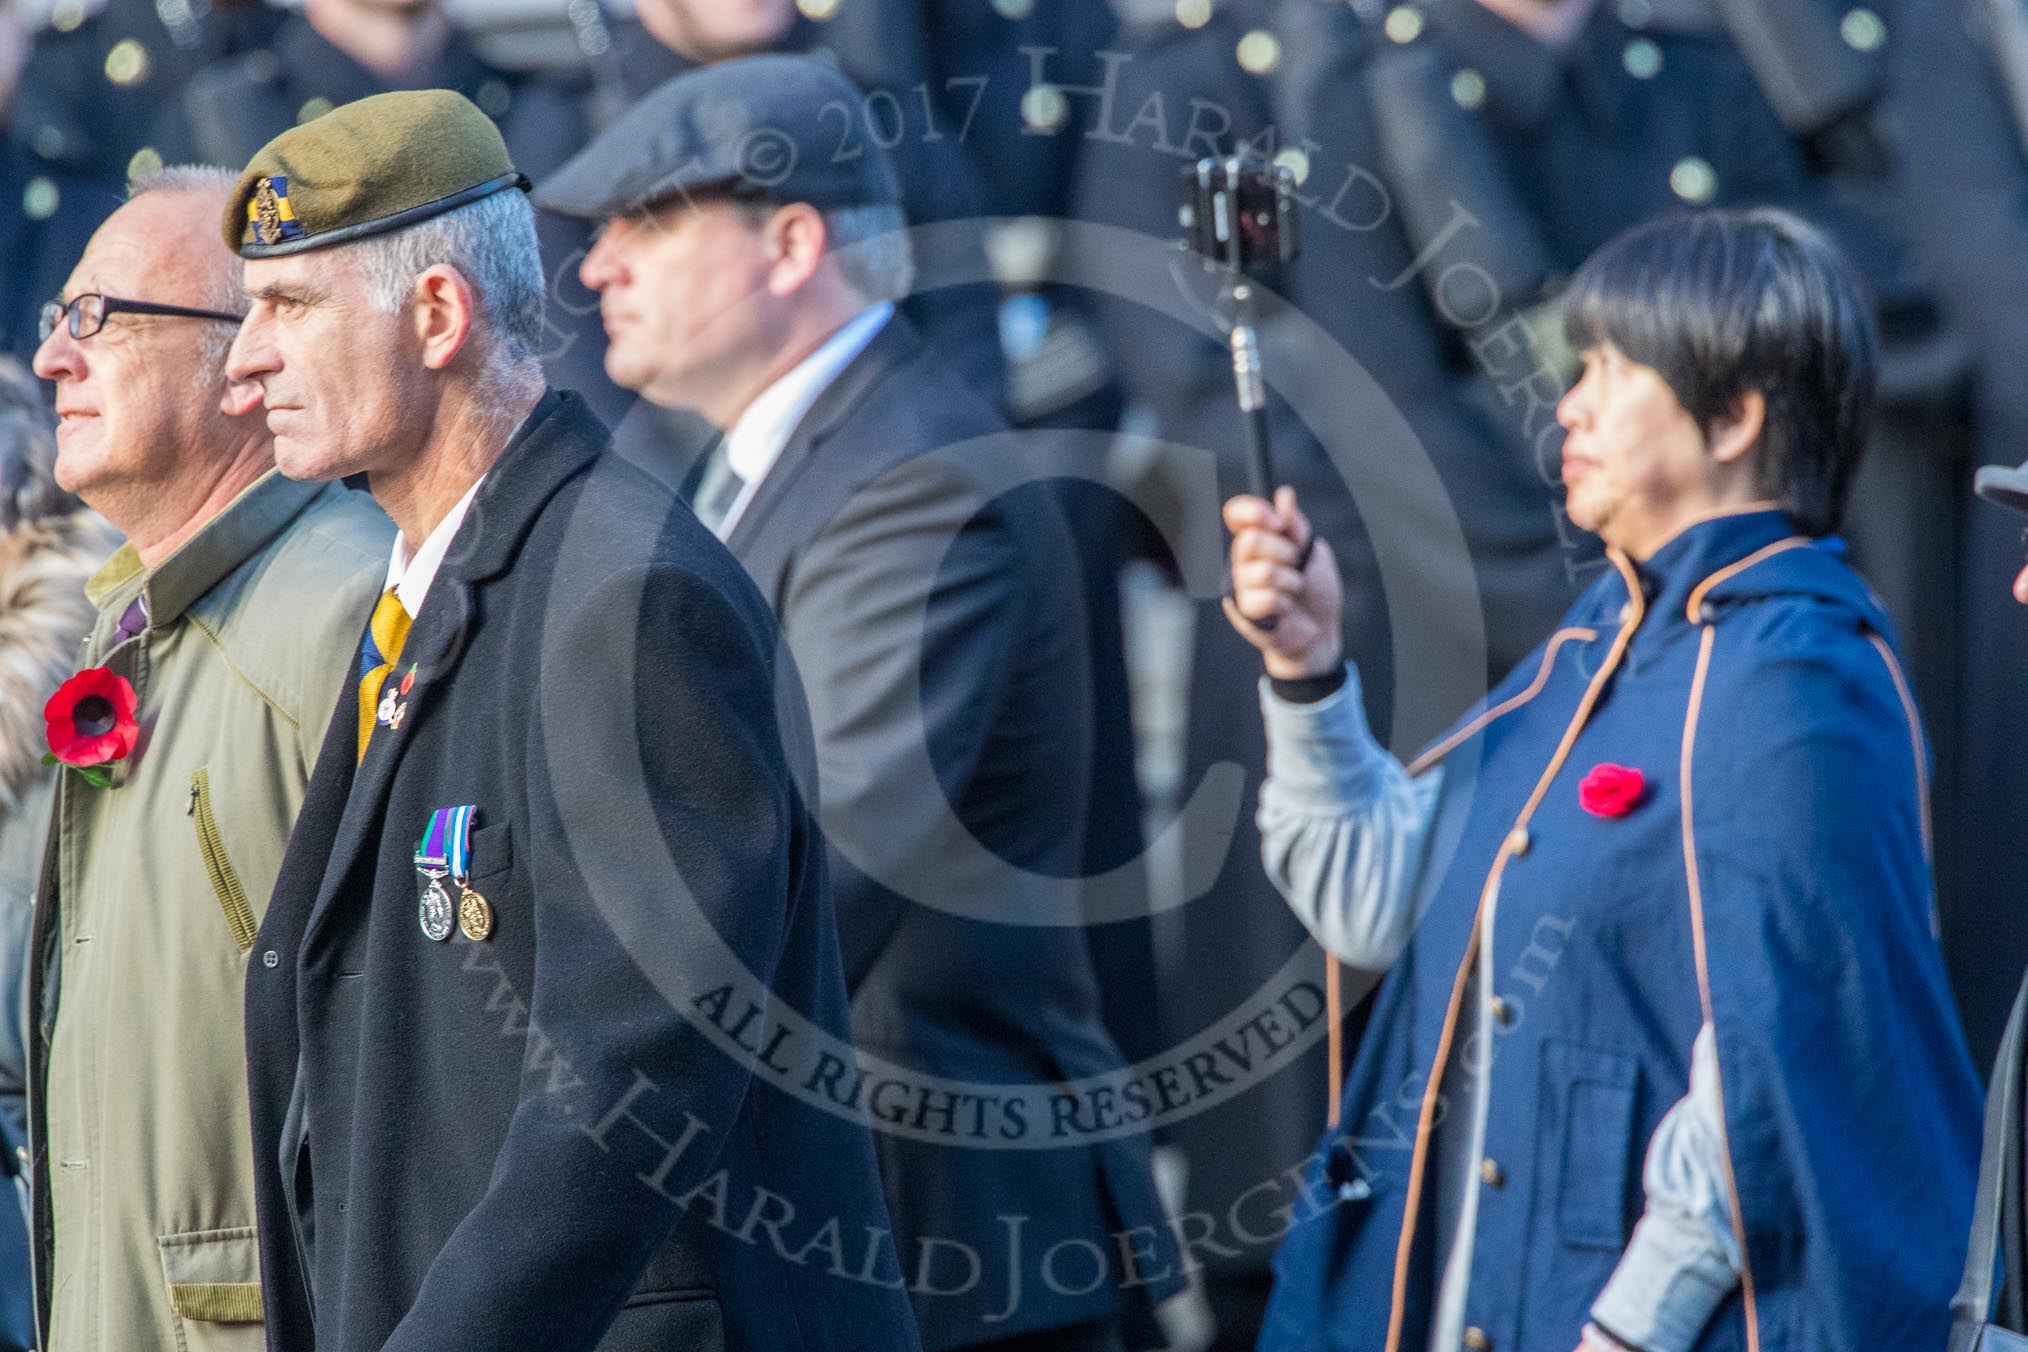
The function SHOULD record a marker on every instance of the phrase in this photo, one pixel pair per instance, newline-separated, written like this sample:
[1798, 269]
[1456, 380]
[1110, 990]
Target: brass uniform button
[1503, 1013]
[1477, 1341]
[1518, 841]
[1694, 180]
[1492, 1173]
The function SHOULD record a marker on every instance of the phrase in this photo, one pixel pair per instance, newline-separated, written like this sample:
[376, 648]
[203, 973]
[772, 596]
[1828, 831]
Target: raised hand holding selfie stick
[1239, 212]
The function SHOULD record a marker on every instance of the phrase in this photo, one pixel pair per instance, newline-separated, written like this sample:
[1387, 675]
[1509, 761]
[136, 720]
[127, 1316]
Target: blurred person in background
[945, 93]
[861, 484]
[49, 545]
[84, 118]
[1958, 79]
[940, 181]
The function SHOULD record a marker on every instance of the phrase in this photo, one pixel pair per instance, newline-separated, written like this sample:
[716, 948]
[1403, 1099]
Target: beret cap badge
[274, 220]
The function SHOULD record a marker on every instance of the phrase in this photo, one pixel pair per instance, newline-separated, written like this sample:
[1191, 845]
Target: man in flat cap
[927, 134]
[553, 845]
[230, 615]
[918, 567]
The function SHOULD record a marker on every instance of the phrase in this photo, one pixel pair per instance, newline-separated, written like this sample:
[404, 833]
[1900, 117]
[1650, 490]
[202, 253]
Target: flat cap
[759, 126]
[364, 168]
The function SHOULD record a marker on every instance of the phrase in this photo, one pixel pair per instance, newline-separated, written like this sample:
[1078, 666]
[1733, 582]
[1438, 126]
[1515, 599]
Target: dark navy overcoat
[567, 1129]
[1772, 880]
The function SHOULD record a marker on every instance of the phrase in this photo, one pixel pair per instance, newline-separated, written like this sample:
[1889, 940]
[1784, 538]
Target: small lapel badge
[394, 702]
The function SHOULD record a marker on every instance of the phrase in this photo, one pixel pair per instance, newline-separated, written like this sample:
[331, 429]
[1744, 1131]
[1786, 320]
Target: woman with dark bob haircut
[1663, 1056]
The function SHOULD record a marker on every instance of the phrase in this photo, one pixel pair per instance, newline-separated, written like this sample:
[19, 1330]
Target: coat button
[1627, 613]
[1492, 1173]
[1503, 1013]
[271, 959]
[1518, 841]
[1707, 614]
[21, 1153]
[1477, 1341]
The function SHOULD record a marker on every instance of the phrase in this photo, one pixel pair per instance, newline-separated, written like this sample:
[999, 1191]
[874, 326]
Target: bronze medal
[475, 916]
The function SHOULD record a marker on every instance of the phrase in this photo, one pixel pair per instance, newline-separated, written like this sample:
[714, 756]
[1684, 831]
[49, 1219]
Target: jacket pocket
[492, 851]
[654, 1321]
[1589, 1097]
[214, 1284]
[232, 900]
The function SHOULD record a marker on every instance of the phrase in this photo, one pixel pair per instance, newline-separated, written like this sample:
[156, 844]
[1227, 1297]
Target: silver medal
[436, 913]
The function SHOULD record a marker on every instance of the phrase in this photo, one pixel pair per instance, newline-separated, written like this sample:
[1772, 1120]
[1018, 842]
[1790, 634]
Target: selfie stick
[1227, 232]
[1252, 389]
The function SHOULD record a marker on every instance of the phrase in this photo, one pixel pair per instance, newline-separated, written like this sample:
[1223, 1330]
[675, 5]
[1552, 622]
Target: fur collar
[43, 618]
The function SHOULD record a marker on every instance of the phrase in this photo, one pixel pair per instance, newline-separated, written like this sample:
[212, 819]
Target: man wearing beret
[330, 52]
[553, 847]
[230, 615]
[919, 572]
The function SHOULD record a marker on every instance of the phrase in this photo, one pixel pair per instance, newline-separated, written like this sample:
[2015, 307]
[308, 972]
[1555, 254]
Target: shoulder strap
[1998, 1200]
[1803, 65]
[1443, 169]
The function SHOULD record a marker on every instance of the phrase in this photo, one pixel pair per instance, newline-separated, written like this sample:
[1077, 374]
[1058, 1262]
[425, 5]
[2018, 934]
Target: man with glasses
[232, 613]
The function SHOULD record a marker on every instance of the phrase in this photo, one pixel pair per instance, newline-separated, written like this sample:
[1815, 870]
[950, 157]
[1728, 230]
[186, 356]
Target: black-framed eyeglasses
[88, 313]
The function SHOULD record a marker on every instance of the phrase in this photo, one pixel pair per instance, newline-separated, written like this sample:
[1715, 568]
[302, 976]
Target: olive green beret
[370, 166]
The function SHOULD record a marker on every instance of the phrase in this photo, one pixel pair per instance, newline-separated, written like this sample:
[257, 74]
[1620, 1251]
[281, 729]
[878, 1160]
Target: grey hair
[869, 245]
[28, 490]
[492, 244]
[192, 178]
[872, 250]
[221, 285]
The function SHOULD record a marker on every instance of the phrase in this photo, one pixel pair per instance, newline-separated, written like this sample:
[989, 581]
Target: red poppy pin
[1612, 790]
[90, 724]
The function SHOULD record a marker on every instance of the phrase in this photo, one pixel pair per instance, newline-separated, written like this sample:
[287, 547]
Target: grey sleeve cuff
[1322, 758]
[1666, 1287]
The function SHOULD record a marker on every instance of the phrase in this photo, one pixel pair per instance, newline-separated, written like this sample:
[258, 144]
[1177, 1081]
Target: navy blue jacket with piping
[1773, 880]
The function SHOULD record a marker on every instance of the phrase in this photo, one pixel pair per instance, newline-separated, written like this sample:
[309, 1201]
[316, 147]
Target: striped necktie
[385, 634]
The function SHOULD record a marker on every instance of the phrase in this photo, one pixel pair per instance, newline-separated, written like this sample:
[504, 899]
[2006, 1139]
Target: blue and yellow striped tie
[385, 634]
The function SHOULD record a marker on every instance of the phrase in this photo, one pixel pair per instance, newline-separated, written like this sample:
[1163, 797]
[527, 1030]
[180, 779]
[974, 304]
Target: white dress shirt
[756, 440]
[411, 574]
